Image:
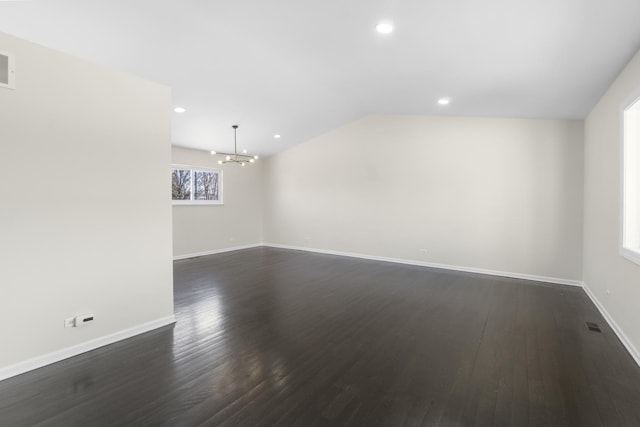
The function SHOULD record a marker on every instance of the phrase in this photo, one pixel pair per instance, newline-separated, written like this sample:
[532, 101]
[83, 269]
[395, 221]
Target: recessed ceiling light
[179, 109]
[276, 136]
[213, 152]
[444, 101]
[384, 28]
[244, 151]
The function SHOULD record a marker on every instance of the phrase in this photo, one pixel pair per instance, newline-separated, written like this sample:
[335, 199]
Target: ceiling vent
[7, 72]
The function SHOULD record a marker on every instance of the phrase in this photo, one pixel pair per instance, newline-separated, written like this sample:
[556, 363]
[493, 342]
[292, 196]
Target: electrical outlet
[70, 322]
[423, 251]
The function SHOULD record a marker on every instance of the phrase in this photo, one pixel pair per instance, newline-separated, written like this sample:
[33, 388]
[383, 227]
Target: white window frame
[630, 178]
[194, 169]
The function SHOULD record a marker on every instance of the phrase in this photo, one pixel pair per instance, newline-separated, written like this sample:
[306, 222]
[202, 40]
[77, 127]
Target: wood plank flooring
[272, 337]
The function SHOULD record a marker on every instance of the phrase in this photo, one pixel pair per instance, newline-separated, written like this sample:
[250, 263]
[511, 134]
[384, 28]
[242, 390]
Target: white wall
[484, 193]
[604, 267]
[85, 215]
[200, 229]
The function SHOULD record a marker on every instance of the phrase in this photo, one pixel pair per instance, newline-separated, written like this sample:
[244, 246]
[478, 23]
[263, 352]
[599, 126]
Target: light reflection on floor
[207, 316]
[238, 366]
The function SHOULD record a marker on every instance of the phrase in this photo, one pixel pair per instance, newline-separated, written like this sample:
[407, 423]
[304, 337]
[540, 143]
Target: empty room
[336, 213]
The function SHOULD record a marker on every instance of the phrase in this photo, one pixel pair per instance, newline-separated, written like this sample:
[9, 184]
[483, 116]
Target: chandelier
[241, 158]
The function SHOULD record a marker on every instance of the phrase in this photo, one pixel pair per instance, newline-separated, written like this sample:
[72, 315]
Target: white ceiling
[300, 68]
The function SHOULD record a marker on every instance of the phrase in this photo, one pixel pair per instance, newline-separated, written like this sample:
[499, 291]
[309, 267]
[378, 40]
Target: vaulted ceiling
[299, 68]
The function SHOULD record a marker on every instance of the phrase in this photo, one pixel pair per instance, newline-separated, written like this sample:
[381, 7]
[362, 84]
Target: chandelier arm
[239, 156]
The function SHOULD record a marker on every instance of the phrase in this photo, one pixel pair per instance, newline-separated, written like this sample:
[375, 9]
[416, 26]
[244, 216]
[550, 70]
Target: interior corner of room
[87, 224]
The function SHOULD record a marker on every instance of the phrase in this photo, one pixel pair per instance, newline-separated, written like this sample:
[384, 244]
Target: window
[196, 186]
[631, 181]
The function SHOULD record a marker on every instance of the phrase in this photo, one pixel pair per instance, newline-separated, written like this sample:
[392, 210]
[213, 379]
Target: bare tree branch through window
[181, 184]
[196, 185]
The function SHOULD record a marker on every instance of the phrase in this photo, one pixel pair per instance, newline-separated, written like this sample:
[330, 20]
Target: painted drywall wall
[85, 217]
[485, 193]
[604, 267]
[202, 229]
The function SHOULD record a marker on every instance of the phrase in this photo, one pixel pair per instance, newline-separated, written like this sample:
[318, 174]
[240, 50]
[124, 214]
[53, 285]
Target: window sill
[631, 255]
[195, 203]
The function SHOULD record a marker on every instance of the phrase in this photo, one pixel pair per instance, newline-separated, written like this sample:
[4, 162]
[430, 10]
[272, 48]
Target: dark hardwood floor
[271, 337]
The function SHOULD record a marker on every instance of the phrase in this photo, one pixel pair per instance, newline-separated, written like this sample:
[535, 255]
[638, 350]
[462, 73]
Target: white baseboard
[546, 279]
[75, 350]
[65, 353]
[555, 280]
[633, 351]
[216, 251]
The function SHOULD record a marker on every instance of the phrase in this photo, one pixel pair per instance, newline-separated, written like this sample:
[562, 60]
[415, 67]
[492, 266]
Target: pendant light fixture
[242, 158]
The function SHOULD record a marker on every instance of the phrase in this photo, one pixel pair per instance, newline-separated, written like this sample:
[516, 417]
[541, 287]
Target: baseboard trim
[546, 279]
[216, 251]
[65, 353]
[633, 351]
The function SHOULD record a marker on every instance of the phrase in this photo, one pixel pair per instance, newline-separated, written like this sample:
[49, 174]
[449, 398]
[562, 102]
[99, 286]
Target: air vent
[593, 327]
[7, 72]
